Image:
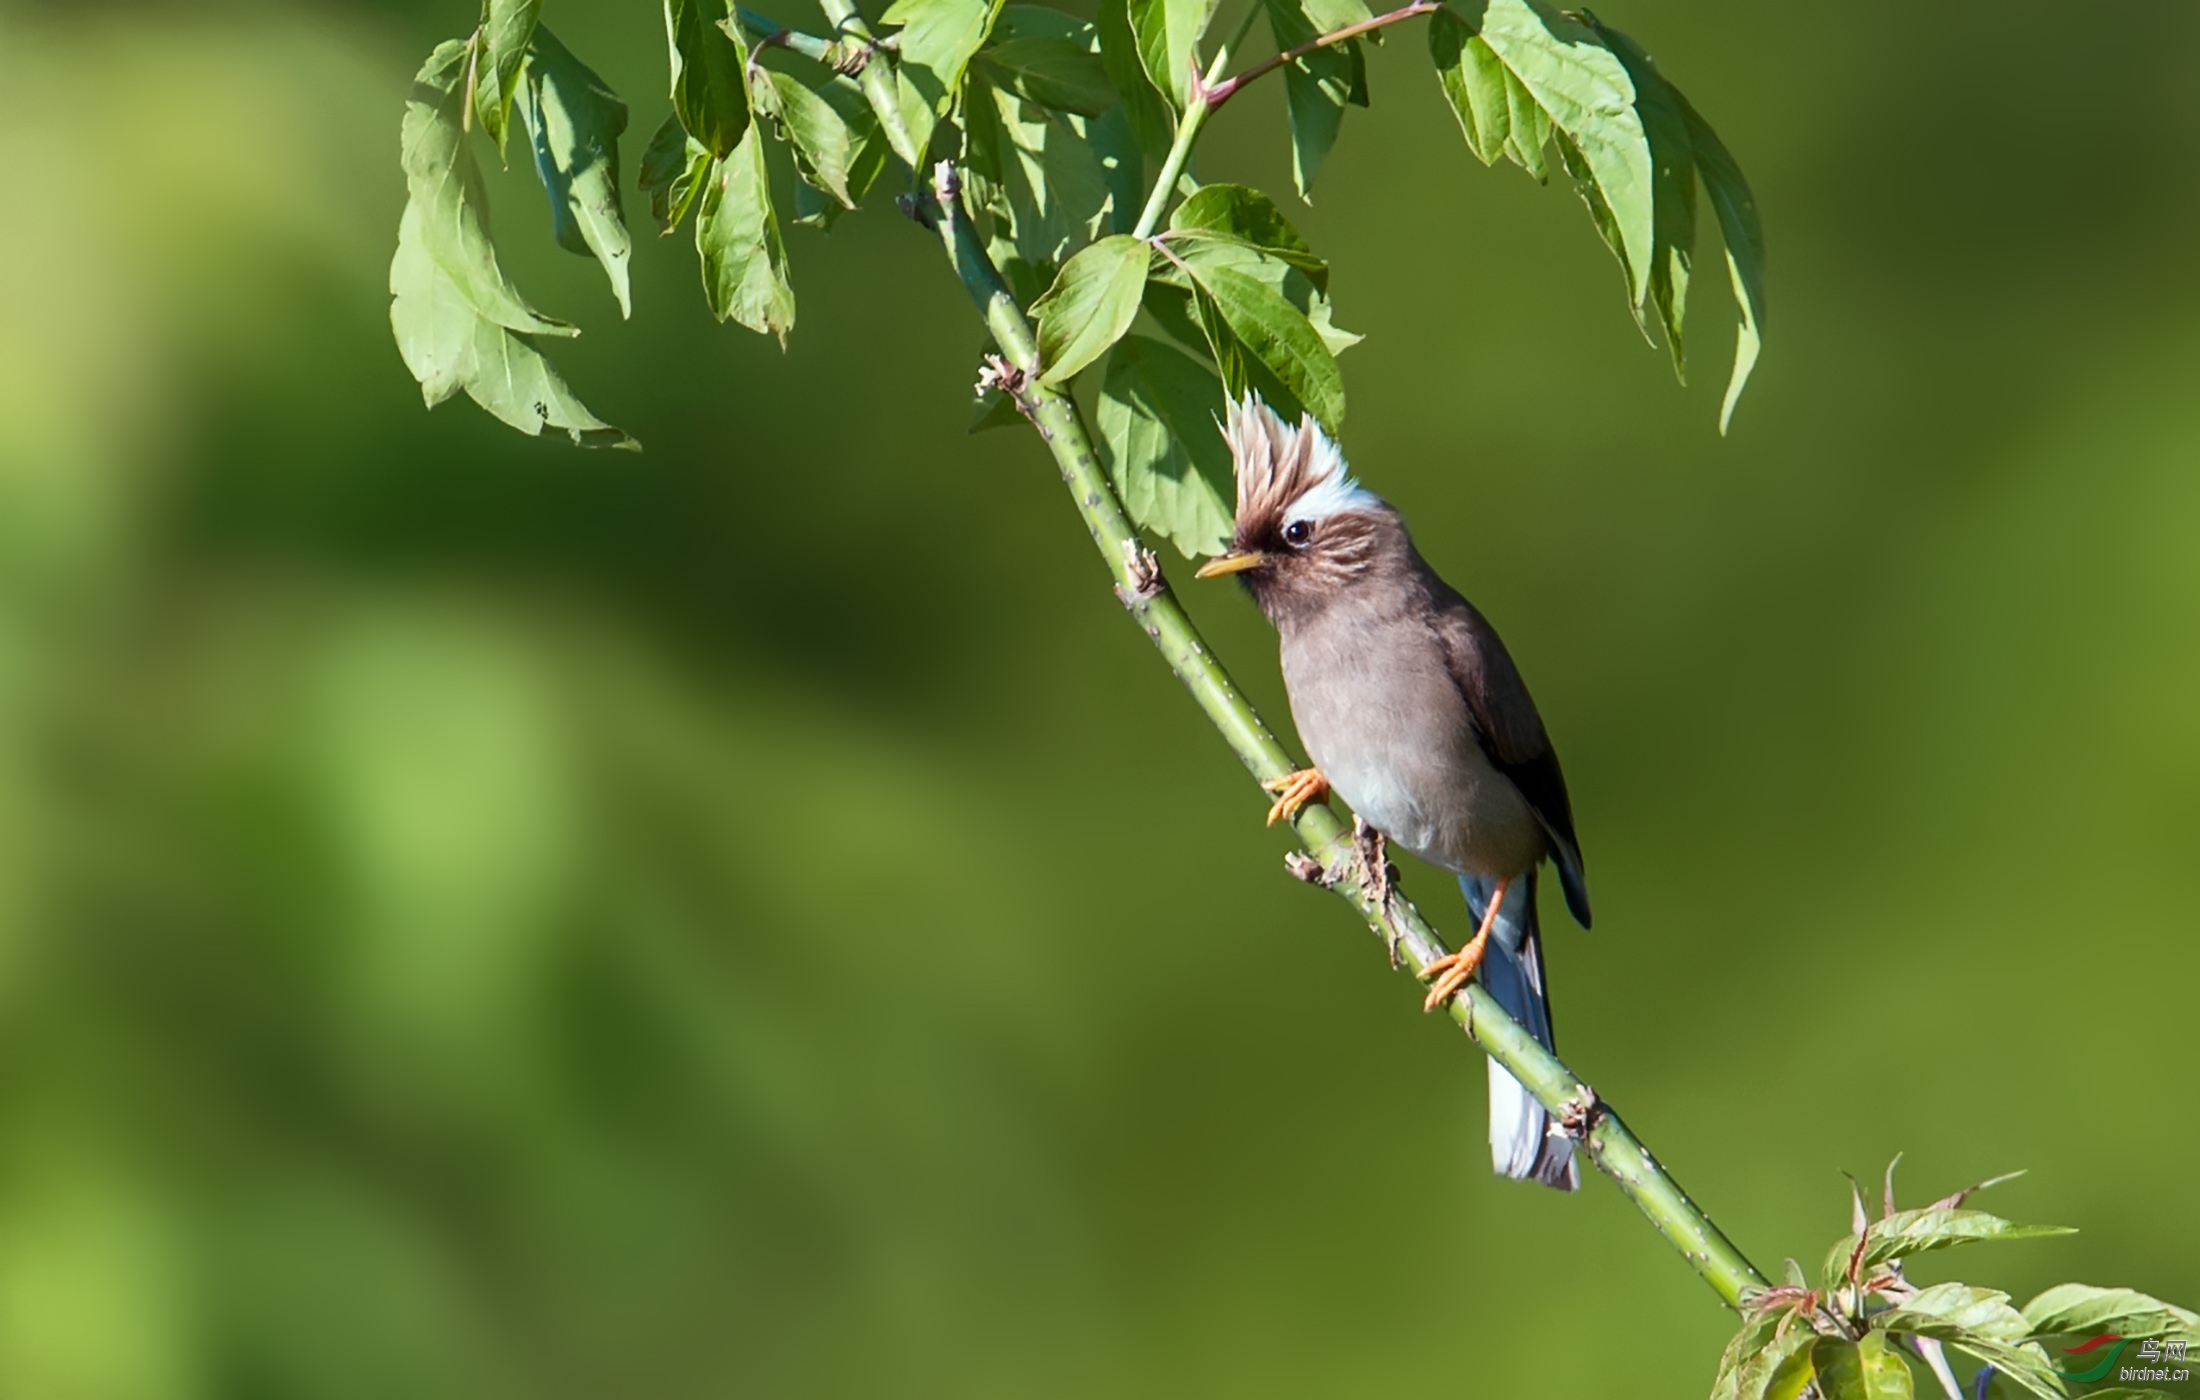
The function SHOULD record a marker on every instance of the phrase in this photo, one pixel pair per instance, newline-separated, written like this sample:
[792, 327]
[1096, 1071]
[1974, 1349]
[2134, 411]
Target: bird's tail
[1521, 1143]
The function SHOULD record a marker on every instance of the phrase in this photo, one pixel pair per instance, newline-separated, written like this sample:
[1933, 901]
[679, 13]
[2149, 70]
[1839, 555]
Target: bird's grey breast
[1376, 705]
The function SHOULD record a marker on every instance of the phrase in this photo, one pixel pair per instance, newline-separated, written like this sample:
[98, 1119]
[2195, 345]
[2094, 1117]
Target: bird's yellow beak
[1235, 562]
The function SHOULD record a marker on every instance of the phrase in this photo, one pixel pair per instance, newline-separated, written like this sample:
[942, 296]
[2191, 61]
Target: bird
[1413, 712]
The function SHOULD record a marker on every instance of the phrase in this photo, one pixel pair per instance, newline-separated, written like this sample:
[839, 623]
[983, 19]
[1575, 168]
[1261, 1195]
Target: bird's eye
[1298, 532]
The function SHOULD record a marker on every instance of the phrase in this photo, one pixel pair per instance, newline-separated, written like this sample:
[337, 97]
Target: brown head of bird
[1306, 532]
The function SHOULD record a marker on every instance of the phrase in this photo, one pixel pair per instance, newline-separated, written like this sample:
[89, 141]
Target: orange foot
[1452, 970]
[1296, 789]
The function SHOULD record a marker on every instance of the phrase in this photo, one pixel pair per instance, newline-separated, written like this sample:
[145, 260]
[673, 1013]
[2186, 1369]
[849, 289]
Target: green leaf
[2076, 1308]
[1057, 73]
[709, 90]
[444, 186]
[507, 26]
[1795, 1372]
[1474, 84]
[674, 170]
[1673, 166]
[1909, 1232]
[1037, 180]
[937, 41]
[1286, 279]
[574, 122]
[1329, 16]
[1766, 1359]
[2125, 1392]
[1157, 417]
[1951, 1310]
[1168, 34]
[1527, 131]
[2023, 1364]
[1091, 304]
[1278, 334]
[1566, 70]
[449, 345]
[1251, 219]
[825, 144]
[1863, 1370]
[1744, 236]
[737, 233]
[1316, 87]
[1144, 107]
[1122, 166]
[1757, 1331]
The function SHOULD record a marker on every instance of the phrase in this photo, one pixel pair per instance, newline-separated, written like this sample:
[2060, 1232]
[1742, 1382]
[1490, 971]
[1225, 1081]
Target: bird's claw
[1294, 791]
[1452, 971]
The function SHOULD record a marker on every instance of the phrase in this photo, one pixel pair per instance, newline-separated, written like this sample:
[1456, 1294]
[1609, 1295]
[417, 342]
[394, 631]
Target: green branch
[1221, 92]
[1328, 842]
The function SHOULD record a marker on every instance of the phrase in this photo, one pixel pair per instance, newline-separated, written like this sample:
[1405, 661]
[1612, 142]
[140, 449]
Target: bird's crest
[1286, 473]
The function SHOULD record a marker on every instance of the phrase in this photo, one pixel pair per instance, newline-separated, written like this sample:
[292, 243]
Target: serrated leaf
[1795, 1374]
[1287, 278]
[1036, 179]
[574, 122]
[1122, 166]
[1171, 309]
[1949, 1310]
[449, 345]
[1911, 1232]
[2086, 1311]
[1473, 81]
[1862, 1370]
[1045, 22]
[1247, 217]
[1278, 334]
[507, 26]
[937, 41]
[674, 170]
[1144, 107]
[1053, 72]
[1329, 16]
[1755, 1332]
[1566, 70]
[1744, 236]
[1528, 131]
[1778, 1365]
[737, 233]
[1673, 167]
[1168, 34]
[2024, 1364]
[444, 184]
[709, 91]
[825, 146]
[1316, 87]
[1091, 304]
[1157, 417]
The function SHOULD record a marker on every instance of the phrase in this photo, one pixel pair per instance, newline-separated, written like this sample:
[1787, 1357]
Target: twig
[1608, 1142]
[1222, 92]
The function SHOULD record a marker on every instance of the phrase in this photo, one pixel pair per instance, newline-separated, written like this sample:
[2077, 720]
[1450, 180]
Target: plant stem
[1196, 112]
[877, 79]
[1221, 92]
[771, 31]
[1138, 584]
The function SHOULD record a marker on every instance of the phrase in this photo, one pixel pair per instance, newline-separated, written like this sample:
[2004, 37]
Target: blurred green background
[483, 919]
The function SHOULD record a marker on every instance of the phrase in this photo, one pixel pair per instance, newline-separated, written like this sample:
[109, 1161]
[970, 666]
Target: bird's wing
[1510, 730]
